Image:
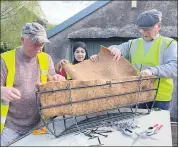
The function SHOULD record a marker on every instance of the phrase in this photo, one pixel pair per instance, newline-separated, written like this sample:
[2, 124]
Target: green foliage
[50, 26]
[4, 47]
[45, 23]
[13, 15]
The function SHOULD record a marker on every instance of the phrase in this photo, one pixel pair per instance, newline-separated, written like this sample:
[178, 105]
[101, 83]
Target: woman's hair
[77, 45]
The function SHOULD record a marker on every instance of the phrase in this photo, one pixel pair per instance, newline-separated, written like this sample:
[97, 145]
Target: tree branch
[16, 7]
[12, 14]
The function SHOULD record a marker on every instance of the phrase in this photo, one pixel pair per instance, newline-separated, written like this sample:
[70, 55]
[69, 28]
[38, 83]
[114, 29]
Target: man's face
[149, 33]
[31, 49]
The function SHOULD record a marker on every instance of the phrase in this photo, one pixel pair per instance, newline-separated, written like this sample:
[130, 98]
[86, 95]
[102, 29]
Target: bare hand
[94, 58]
[116, 52]
[10, 93]
[63, 62]
[58, 77]
[146, 72]
[60, 64]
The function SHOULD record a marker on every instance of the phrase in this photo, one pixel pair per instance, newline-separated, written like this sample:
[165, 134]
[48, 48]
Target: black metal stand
[85, 121]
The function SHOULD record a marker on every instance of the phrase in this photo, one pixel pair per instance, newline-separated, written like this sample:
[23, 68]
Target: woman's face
[80, 54]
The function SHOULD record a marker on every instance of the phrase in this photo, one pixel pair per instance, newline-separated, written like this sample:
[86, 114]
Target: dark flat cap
[149, 18]
[37, 32]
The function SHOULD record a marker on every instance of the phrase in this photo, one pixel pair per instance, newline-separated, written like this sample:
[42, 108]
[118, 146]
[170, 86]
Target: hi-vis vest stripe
[152, 58]
[9, 59]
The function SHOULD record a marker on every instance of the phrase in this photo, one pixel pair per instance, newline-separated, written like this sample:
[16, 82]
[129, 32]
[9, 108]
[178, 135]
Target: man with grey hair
[21, 70]
[152, 54]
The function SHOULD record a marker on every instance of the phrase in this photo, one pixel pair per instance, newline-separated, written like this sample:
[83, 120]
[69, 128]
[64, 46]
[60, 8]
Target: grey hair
[26, 36]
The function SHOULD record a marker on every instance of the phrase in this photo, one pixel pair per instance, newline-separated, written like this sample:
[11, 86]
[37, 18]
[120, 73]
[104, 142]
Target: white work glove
[146, 72]
[10, 93]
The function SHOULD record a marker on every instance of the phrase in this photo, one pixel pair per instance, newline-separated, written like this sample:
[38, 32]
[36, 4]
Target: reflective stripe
[44, 72]
[4, 112]
[3, 119]
[4, 102]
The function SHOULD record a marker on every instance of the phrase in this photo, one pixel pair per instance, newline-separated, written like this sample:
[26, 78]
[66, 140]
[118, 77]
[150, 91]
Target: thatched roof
[126, 31]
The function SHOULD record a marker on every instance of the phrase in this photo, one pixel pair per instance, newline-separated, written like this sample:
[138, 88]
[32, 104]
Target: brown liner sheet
[89, 73]
[105, 68]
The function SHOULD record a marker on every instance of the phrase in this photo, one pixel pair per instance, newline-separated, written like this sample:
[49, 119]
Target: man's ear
[159, 26]
[22, 39]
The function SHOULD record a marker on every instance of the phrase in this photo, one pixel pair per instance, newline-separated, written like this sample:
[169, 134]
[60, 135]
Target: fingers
[49, 77]
[94, 58]
[117, 54]
[63, 62]
[14, 96]
[146, 72]
[16, 92]
[113, 51]
[55, 77]
[116, 57]
[142, 74]
[10, 93]
[37, 85]
[58, 77]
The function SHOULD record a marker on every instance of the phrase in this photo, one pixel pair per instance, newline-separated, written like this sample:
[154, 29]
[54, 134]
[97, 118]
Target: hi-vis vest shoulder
[9, 59]
[152, 58]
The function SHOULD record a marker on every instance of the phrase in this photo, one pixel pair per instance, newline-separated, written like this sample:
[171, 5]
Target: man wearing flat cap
[152, 54]
[21, 70]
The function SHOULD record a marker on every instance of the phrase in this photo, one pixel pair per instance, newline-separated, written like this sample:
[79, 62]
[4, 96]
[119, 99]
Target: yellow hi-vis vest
[9, 59]
[68, 76]
[152, 58]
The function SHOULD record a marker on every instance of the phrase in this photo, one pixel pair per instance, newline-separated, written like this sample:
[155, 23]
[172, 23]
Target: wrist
[154, 71]
[3, 100]
[2, 88]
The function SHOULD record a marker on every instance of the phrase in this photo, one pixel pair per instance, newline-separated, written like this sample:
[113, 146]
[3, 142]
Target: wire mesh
[75, 123]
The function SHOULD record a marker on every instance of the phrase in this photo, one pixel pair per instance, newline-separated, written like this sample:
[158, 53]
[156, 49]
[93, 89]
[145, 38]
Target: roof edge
[83, 13]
